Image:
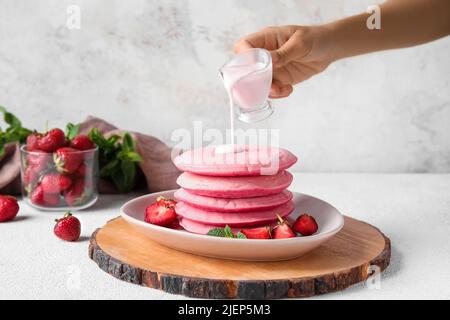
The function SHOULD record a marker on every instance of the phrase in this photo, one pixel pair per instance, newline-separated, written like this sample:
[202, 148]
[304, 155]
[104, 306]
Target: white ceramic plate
[328, 218]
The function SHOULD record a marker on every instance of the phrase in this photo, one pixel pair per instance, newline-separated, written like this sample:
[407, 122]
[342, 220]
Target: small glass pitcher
[247, 78]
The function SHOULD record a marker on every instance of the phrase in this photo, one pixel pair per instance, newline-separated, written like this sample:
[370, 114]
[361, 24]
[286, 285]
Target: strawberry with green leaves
[67, 160]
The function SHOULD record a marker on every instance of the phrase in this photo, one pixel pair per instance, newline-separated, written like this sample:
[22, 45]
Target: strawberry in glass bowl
[59, 171]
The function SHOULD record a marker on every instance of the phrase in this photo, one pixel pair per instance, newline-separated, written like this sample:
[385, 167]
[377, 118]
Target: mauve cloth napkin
[156, 172]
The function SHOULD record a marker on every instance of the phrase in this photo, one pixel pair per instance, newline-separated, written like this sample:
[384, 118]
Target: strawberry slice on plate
[257, 233]
[166, 202]
[160, 214]
[283, 230]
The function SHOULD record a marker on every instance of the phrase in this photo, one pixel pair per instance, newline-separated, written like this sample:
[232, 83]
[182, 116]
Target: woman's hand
[297, 54]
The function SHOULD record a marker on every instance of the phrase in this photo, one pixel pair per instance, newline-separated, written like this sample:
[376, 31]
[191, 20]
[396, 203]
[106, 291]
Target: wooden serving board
[339, 263]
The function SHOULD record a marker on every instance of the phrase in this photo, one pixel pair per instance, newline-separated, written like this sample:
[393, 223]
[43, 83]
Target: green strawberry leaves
[225, 232]
[72, 130]
[118, 158]
[14, 133]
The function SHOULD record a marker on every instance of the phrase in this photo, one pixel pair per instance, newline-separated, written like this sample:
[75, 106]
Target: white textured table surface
[412, 210]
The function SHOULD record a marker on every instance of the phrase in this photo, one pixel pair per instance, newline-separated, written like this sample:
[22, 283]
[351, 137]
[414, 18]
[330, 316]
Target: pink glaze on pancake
[233, 205]
[235, 187]
[247, 219]
[242, 161]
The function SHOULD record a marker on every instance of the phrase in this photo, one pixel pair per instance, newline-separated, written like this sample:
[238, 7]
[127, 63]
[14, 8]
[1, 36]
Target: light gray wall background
[152, 66]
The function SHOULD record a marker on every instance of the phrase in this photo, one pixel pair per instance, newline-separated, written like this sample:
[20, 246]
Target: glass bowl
[59, 182]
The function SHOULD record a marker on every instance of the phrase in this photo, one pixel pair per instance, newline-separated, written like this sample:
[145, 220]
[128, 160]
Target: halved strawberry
[305, 225]
[52, 140]
[160, 214]
[39, 197]
[166, 202]
[257, 233]
[282, 230]
[67, 160]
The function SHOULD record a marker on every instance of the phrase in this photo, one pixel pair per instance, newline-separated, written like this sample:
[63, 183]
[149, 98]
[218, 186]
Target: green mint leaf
[129, 156]
[128, 174]
[72, 130]
[240, 235]
[108, 169]
[128, 143]
[225, 232]
[134, 157]
[216, 232]
[10, 118]
[118, 159]
[228, 232]
[118, 179]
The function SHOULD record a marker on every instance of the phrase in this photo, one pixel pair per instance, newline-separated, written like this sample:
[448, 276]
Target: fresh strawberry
[40, 198]
[8, 208]
[67, 228]
[32, 142]
[82, 171]
[30, 175]
[160, 214]
[305, 225]
[82, 142]
[257, 233]
[166, 202]
[38, 160]
[77, 193]
[67, 160]
[52, 140]
[175, 225]
[282, 230]
[55, 183]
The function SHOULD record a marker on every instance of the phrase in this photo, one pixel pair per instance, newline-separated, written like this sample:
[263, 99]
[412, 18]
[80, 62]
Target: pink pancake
[247, 219]
[233, 205]
[235, 187]
[242, 161]
[200, 228]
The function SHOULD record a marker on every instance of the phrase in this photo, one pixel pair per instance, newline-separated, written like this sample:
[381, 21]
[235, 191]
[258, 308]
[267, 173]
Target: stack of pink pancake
[242, 188]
